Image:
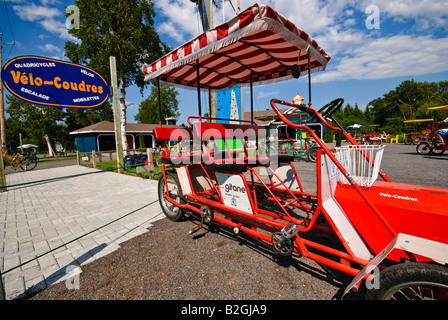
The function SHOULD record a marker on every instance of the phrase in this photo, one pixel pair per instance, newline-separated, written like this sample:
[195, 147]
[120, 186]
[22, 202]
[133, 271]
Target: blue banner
[228, 104]
[55, 83]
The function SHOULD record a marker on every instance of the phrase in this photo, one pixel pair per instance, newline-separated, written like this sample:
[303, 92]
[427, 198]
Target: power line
[12, 33]
[9, 21]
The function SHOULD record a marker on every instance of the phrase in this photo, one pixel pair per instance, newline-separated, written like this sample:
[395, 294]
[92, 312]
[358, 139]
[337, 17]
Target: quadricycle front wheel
[173, 190]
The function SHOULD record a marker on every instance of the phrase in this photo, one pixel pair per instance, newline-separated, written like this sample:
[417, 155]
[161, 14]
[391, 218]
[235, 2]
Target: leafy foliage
[123, 29]
[34, 121]
[409, 100]
[120, 28]
[148, 111]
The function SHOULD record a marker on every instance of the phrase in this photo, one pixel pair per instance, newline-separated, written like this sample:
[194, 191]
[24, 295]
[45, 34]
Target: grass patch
[112, 166]
[56, 159]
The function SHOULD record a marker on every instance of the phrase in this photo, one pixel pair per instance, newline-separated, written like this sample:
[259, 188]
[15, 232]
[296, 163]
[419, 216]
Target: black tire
[128, 161]
[411, 281]
[171, 211]
[28, 163]
[438, 143]
[423, 148]
[408, 140]
[311, 154]
[437, 152]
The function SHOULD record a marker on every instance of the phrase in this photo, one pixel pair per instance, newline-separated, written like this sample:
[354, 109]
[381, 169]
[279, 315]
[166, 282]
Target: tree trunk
[51, 152]
[124, 141]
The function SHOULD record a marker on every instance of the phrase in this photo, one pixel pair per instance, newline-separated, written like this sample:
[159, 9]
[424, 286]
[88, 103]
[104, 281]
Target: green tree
[34, 122]
[120, 28]
[148, 110]
[409, 100]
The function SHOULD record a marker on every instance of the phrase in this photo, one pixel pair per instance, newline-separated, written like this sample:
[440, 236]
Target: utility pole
[205, 8]
[3, 131]
[238, 10]
[2, 105]
[213, 91]
[114, 87]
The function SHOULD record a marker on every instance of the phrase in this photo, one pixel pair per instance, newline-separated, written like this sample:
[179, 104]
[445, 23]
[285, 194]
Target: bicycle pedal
[194, 230]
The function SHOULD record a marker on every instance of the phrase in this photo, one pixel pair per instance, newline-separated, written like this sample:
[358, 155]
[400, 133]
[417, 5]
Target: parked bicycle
[26, 161]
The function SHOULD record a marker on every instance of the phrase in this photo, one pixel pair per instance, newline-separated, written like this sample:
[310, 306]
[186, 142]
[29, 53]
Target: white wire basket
[361, 162]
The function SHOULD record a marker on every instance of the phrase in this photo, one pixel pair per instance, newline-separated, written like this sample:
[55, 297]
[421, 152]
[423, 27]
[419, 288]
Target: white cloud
[47, 2]
[51, 19]
[382, 58]
[416, 48]
[50, 48]
[33, 12]
[427, 15]
[182, 19]
[264, 94]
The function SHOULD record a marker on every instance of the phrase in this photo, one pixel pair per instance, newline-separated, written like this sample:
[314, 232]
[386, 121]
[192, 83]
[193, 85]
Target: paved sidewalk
[40, 217]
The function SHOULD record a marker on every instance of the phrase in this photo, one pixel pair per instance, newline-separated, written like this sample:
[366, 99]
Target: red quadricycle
[437, 141]
[372, 135]
[417, 130]
[222, 173]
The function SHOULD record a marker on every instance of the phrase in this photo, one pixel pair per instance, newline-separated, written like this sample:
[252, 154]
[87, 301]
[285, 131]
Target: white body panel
[331, 206]
[287, 176]
[234, 192]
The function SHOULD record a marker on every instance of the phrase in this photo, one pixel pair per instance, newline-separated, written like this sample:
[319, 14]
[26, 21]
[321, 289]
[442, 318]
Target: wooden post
[114, 87]
[2, 104]
[2, 171]
[2, 289]
[150, 156]
[94, 159]
[2, 130]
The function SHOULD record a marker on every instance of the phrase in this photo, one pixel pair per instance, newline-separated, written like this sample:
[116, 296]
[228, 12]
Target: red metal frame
[271, 221]
[274, 221]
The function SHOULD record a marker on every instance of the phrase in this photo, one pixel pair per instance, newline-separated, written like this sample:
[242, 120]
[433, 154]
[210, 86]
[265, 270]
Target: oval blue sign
[56, 83]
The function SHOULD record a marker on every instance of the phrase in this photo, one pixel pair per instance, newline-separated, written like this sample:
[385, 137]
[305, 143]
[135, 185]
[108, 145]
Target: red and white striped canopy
[258, 41]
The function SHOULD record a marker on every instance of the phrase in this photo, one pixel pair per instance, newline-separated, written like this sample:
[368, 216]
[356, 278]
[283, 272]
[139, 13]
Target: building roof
[266, 116]
[108, 126]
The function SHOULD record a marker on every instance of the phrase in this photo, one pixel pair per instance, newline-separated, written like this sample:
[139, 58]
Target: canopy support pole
[199, 87]
[160, 102]
[251, 98]
[309, 77]
[210, 103]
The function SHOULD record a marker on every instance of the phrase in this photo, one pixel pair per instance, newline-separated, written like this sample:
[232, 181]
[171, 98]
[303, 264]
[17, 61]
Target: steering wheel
[329, 109]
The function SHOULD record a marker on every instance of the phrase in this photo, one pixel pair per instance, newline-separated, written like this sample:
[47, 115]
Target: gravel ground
[167, 263]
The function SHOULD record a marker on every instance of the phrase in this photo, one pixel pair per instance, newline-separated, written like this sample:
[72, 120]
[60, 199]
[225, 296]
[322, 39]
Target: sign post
[113, 82]
[2, 170]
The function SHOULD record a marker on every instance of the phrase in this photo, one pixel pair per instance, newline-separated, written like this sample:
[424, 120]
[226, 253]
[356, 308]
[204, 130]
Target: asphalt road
[403, 164]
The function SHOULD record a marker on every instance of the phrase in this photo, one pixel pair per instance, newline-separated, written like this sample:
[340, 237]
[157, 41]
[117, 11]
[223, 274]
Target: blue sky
[410, 42]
